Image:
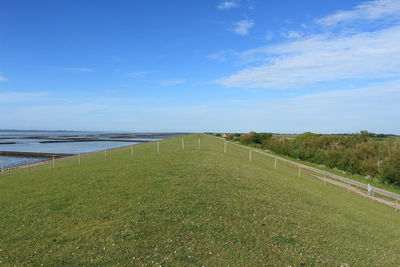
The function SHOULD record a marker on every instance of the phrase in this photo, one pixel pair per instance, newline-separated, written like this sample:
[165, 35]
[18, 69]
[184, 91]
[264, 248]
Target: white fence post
[105, 154]
[158, 147]
[53, 162]
[275, 165]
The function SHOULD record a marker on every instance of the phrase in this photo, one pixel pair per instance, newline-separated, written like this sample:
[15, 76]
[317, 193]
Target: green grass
[364, 179]
[192, 207]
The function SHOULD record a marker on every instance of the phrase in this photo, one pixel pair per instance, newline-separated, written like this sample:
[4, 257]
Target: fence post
[275, 165]
[53, 162]
[183, 145]
[105, 154]
[299, 171]
[250, 155]
[27, 165]
[225, 147]
[199, 142]
[79, 159]
[158, 147]
[132, 152]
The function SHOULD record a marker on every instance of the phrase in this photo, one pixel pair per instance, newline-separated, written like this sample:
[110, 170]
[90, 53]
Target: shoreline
[5, 170]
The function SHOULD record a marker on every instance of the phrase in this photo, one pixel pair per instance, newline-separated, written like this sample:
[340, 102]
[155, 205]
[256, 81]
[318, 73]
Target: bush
[390, 172]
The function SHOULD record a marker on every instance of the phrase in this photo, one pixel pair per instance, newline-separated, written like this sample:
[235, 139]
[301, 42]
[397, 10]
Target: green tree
[391, 168]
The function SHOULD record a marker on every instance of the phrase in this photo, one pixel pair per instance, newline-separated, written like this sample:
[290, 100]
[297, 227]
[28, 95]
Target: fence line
[349, 181]
[52, 161]
[325, 174]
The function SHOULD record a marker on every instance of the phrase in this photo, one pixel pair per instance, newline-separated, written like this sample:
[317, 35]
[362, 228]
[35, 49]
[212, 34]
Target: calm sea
[30, 141]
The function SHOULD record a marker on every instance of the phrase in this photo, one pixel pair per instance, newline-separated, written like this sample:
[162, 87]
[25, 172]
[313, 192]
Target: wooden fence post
[275, 165]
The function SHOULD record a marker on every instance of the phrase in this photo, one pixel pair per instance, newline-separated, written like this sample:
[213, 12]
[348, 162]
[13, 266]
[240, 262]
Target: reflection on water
[29, 141]
[14, 161]
[64, 148]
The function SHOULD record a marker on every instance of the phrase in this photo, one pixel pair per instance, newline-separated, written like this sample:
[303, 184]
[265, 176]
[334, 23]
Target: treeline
[354, 153]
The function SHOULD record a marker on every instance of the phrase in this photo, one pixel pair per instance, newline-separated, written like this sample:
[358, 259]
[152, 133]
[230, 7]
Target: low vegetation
[359, 153]
[191, 207]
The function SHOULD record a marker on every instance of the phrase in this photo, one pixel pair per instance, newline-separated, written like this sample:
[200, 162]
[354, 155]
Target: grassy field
[198, 207]
[364, 179]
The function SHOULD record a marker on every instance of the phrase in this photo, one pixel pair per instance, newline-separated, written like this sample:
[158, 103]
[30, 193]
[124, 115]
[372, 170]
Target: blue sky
[200, 65]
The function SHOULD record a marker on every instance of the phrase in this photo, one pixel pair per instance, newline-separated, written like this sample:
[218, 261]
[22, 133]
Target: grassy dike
[188, 207]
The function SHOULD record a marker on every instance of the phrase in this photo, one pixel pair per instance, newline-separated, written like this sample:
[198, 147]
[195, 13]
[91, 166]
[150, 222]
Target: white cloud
[358, 54]
[228, 5]
[3, 79]
[292, 34]
[321, 58]
[242, 27]
[222, 55]
[172, 82]
[371, 10]
[372, 108]
[79, 69]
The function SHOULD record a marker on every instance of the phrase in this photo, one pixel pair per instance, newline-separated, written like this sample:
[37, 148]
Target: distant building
[224, 135]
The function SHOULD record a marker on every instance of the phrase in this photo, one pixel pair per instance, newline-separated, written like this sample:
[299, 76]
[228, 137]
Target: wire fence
[148, 153]
[301, 170]
[138, 153]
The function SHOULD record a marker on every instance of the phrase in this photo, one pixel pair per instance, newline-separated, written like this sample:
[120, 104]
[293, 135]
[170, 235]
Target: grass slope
[192, 207]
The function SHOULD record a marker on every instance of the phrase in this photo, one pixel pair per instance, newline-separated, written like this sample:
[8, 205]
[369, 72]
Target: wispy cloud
[324, 57]
[370, 107]
[242, 27]
[172, 82]
[222, 55]
[227, 5]
[292, 34]
[3, 79]
[79, 69]
[371, 10]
